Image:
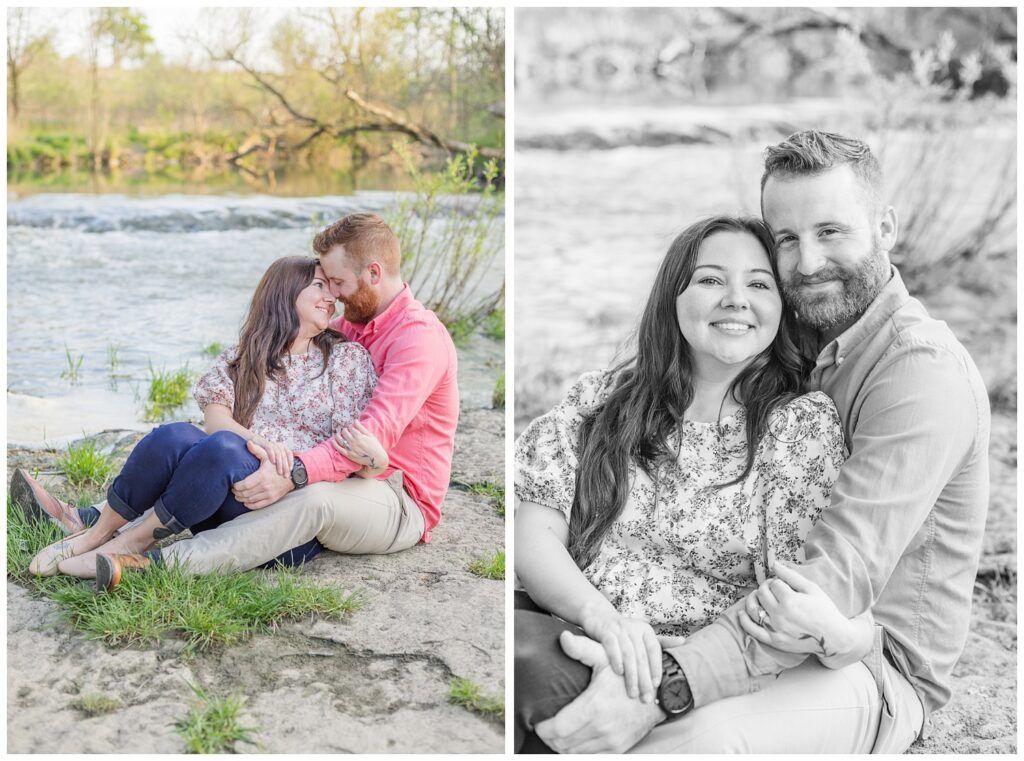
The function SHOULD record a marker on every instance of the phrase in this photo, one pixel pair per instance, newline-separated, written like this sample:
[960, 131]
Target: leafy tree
[23, 47]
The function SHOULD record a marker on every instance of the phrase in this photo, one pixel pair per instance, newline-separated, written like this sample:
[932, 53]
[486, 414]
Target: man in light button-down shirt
[902, 537]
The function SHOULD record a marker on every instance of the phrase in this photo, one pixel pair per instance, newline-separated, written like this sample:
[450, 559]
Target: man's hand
[798, 617]
[603, 719]
[264, 487]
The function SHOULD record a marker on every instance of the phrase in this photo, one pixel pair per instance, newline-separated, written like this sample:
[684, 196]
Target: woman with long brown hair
[290, 383]
[664, 490]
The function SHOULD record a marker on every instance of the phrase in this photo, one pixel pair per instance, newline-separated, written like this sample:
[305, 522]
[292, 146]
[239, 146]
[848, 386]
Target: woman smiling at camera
[290, 383]
[660, 492]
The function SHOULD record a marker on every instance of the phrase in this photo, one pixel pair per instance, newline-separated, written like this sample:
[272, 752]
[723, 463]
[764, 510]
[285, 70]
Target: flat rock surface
[376, 681]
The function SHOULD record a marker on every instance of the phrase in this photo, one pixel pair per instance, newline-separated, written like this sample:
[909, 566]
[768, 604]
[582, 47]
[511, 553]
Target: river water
[151, 280]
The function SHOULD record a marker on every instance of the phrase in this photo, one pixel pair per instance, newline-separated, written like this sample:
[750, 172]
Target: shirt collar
[892, 296]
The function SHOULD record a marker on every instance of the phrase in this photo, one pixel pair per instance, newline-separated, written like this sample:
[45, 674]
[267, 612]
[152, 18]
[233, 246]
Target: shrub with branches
[451, 231]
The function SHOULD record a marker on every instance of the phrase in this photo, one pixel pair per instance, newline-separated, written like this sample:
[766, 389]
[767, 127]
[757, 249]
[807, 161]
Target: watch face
[675, 695]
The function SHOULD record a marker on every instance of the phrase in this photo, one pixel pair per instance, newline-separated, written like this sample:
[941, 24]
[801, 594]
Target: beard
[859, 287]
[361, 306]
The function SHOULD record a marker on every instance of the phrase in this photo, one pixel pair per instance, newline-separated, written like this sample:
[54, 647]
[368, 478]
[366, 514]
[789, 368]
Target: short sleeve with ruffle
[546, 456]
[215, 386]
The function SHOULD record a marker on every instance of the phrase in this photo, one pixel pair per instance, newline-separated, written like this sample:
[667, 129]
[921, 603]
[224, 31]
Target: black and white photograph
[765, 390]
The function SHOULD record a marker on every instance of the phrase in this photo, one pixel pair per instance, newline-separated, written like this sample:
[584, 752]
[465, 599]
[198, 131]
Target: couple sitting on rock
[291, 414]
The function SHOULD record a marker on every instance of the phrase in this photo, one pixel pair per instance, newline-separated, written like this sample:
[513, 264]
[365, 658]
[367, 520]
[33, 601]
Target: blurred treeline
[756, 55]
[335, 88]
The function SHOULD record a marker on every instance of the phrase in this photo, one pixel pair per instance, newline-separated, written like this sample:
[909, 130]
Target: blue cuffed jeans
[186, 476]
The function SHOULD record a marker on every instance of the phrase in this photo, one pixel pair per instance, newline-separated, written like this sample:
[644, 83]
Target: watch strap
[299, 467]
[671, 672]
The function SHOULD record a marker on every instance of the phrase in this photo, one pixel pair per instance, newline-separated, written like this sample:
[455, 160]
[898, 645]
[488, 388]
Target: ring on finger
[762, 614]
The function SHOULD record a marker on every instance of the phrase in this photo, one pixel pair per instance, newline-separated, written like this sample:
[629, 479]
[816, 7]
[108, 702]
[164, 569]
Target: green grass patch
[205, 610]
[494, 325]
[490, 489]
[212, 725]
[112, 358]
[24, 539]
[213, 349]
[73, 366]
[498, 397]
[95, 704]
[461, 329]
[465, 693]
[490, 566]
[167, 392]
[86, 465]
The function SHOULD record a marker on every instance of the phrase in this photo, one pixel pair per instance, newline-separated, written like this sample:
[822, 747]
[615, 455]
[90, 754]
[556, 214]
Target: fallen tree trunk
[419, 132]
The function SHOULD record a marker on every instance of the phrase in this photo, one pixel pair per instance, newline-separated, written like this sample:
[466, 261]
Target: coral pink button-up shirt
[415, 407]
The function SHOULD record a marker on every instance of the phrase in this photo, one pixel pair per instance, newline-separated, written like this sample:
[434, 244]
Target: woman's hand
[632, 646]
[359, 445]
[793, 614]
[279, 454]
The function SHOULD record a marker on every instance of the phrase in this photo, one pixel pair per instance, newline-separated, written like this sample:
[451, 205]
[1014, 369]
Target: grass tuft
[86, 465]
[212, 725]
[494, 325]
[489, 489]
[213, 349]
[205, 610]
[167, 392]
[461, 329]
[94, 704]
[24, 539]
[490, 566]
[498, 397]
[73, 370]
[465, 693]
[112, 358]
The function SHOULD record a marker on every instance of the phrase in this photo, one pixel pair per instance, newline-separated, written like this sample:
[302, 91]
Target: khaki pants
[357, 516]
[808, 709]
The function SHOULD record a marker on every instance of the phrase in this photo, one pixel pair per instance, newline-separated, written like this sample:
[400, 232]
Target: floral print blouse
[306, 406]
[683, 551]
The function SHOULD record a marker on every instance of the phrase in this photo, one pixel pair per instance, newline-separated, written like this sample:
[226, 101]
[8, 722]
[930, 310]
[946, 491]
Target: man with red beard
[413, 414]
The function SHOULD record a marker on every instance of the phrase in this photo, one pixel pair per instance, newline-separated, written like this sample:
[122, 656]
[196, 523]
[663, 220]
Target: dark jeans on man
[546, 679]
[186, 476]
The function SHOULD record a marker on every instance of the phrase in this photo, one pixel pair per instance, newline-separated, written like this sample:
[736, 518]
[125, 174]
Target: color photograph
[255, 380]
[765, 389]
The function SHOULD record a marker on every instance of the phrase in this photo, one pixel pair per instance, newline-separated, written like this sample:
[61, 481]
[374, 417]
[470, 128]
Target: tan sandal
[46, 560]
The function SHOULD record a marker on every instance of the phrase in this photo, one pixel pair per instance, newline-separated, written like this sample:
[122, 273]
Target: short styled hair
[812, 152]
[366, 238]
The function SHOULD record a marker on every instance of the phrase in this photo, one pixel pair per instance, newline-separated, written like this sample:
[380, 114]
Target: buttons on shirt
[839, 360]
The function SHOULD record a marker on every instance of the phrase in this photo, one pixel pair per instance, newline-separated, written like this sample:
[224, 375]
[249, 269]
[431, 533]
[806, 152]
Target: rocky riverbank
[375, 681]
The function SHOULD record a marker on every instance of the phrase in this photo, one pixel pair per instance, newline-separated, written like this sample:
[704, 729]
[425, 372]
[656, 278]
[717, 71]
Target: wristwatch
[299, 475]
[674, 696]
